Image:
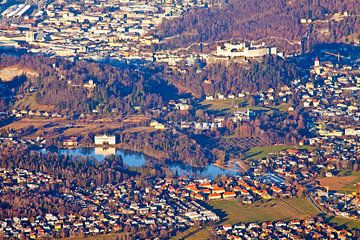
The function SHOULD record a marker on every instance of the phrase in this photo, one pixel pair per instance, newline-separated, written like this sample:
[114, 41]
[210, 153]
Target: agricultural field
[222, 106]
[227, 106]
[233, 212]
[345, 182]
[29, 103]
[263, 152]
[346, 222]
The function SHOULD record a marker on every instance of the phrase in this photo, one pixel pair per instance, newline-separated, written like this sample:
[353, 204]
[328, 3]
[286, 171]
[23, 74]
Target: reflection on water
[105, 151]
[206, 172]
[132, 159]
[135, 159]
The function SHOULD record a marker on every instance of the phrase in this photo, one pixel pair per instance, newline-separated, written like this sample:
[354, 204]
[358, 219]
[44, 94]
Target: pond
[136, 159]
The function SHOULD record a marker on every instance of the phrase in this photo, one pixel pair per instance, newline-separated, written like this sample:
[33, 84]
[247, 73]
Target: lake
[136, 159]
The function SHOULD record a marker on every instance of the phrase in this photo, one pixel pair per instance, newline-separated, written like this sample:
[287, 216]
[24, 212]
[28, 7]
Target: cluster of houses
[17, 179]
[340, 204]
[245, 188]
[111, 208]
[325, 160]
[31, 113]
[332, 99]
[265, 98]
[294, 229]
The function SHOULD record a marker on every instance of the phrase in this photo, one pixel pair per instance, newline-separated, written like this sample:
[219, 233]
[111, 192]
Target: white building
[105, 139]
[244, 50]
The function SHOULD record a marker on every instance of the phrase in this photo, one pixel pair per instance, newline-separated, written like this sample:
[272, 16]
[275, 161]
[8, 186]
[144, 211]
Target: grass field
[79, 128]
[263, 152]
[340, 221]
[112, 236]
[346, 182]
[36, 122]
[29, 102]
[232, 212]
[140, 129]
[7, 74]
[194, 233]
[222, 106]
[227, 105]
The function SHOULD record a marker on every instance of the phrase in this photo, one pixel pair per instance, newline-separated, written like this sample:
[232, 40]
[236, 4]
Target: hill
[275, 20]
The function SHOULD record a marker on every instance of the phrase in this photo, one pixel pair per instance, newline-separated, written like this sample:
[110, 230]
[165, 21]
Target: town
[116, 122]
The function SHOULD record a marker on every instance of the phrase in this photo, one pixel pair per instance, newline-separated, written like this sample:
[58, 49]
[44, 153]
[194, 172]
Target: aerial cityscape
[179, 119]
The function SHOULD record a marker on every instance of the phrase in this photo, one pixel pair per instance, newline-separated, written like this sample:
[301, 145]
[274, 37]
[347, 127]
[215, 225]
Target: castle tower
[317, 62]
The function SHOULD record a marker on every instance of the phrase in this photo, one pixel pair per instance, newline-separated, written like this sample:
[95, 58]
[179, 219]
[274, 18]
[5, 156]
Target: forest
[60, 83]
[257, 20]
[121, 89]
[270, 72]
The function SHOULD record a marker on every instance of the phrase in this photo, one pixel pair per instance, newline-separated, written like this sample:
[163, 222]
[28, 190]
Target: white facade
[105, 139]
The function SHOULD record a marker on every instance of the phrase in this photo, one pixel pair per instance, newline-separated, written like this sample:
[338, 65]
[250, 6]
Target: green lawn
[341, 221]
[194, 233]
[273, 210]
[232, 211]
[220, 107]
[29, 102]
[263, 152]
[283, 107]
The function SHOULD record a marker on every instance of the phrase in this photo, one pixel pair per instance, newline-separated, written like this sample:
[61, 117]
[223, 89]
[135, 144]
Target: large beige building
[105, 139]
[244, 50]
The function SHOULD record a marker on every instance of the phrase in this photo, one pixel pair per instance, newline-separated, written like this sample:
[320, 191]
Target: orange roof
[292, 151]
[205, 185]
[276, 189]
[205, 191]
[214, 195]
[229, 194]
[198, 196]
[237, 188]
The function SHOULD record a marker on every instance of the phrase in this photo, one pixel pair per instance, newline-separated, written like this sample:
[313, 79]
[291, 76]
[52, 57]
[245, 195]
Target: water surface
[136, 159]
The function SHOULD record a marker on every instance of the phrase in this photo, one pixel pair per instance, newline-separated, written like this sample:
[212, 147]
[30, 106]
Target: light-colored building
[157, 125]
[105, 139]
[244, 50]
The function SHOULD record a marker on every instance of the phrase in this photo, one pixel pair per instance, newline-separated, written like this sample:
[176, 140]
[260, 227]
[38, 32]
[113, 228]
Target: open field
[112, 236]
[341, 183]
[140, 129]
[222, 106]
[29, 103]
[69, 128]
[227, 105]
[233, 212]
[36, 122]
[341, 221]
[136, 119]
[7, 74]
[194, 233]
[262, 152]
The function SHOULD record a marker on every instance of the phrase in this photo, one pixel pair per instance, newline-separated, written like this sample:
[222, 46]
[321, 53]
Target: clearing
[29, 103]
[263, 152]
[7, 74]
[232, 212]
[345, 183]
